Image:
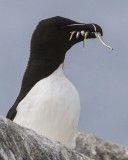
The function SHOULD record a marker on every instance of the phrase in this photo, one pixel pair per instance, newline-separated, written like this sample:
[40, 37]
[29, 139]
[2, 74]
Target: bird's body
[53, 105]
[48, 103]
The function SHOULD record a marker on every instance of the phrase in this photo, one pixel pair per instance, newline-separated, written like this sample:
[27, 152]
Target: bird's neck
[40, 66]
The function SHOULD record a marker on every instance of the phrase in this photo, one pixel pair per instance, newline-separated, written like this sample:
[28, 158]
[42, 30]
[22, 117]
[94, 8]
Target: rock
[18, 143]
[99, 149]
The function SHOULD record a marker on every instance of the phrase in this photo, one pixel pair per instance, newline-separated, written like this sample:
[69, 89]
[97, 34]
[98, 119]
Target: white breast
[51, 108]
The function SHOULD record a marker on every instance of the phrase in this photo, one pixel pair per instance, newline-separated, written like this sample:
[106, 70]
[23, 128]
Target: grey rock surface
[18, 143]
[99, 149]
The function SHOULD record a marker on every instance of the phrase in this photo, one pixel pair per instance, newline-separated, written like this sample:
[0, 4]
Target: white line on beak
[94, 27]
[75, 24]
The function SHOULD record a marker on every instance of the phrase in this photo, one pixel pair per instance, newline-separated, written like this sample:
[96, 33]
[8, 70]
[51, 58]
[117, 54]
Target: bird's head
[61, 34]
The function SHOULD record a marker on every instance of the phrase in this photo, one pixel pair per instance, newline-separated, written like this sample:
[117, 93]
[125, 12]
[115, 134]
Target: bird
[48, 102]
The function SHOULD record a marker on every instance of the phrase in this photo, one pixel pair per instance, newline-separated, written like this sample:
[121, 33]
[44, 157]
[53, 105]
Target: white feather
[51, 108]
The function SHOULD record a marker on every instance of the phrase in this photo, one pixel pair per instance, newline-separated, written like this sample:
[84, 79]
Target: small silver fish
[98, 35]
[72, 33]
[85, 37]
[77, 34]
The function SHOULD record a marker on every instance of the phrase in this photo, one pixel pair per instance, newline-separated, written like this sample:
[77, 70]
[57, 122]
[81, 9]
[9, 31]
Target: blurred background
[100, 75]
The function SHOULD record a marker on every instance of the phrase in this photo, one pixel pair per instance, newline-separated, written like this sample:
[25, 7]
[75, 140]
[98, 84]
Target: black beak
[81, 29]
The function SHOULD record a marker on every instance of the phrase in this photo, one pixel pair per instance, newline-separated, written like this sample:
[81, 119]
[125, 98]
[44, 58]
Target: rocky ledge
[19, 143]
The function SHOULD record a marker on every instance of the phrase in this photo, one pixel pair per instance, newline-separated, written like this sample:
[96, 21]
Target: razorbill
[48, 102]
